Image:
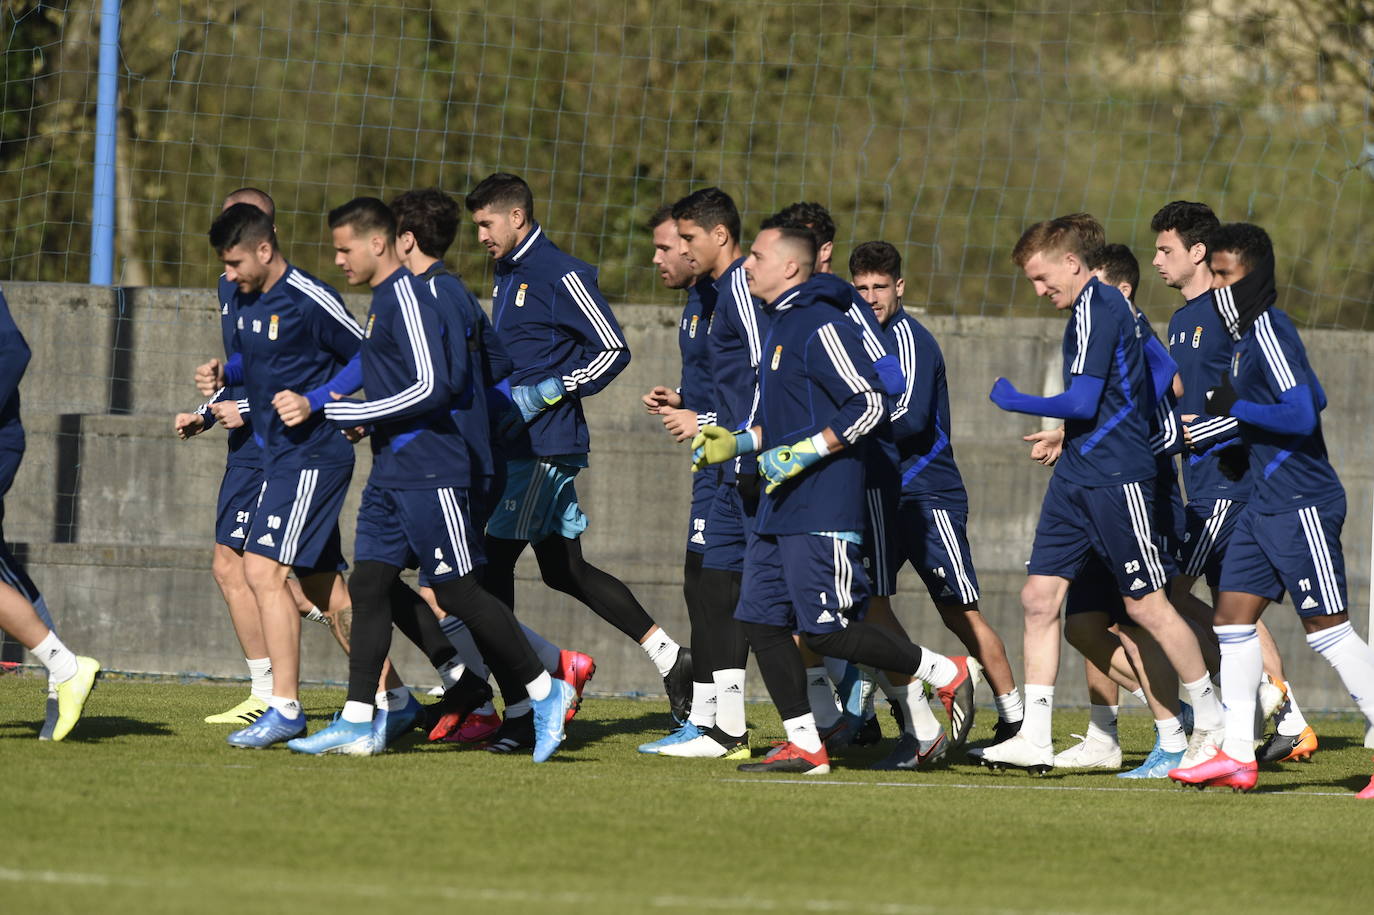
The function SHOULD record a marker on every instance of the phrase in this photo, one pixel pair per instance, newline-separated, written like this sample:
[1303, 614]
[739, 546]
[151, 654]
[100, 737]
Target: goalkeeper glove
[716, 445]
[783, 463]
[527, 402]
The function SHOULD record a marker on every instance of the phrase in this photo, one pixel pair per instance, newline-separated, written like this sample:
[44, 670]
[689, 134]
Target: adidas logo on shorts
[825, 617]
[266, 540]
[1137, 585]
[1309, 604]
[238, 533]
[443, 568]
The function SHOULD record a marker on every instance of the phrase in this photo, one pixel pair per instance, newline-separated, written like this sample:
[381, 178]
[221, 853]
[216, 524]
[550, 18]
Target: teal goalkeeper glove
[716, 445]
[778, 465]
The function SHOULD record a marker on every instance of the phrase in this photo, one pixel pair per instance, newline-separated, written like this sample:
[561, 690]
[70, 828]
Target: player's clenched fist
[716, 445]
[293, 408]
[210, 377]
[661, 397]
[188, 424]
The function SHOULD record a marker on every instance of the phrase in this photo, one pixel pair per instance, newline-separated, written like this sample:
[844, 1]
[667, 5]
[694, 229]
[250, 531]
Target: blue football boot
[550, 714]
[388, 726]
[350, 738]
[685, 732]
[1156, 765]
[272, 727]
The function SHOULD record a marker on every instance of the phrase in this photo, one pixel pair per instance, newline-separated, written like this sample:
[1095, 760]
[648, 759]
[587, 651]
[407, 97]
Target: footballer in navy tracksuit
[695, 389]
[1288, 538]
[14, 360]
[803, 569]
[1201, 346]
[294, 337]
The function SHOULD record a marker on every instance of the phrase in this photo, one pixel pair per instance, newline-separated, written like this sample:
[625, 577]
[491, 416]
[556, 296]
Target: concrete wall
[114, 514]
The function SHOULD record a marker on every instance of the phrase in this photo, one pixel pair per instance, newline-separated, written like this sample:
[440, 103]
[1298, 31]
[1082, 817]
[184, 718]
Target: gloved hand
[778, 465]
[1234, 462]
[717, 444]
[533, 399]
[1221, 398]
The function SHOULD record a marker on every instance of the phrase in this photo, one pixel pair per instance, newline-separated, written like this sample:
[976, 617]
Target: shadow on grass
[93, 728]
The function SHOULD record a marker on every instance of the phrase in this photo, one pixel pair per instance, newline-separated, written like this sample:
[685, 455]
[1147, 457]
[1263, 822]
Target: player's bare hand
[209, 377]
[293, 408]
[188, 425]
[681, 424]
[1187, 419]
[227, 414]
[1046, 445]
[660, 397]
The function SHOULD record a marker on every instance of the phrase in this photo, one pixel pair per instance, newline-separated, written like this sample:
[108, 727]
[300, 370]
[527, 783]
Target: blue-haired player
[1289, 538]
[1100, 497]
[23, 613]
[566, 345]
[292, 332]
[415, 369]
[818, 395]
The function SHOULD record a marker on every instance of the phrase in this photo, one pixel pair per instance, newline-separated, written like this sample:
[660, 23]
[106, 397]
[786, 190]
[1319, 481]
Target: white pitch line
[1132, 790]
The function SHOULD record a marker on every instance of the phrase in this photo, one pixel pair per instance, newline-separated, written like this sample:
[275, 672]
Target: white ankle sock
[1010, 708]
[461, 639]
[825, 708]
[1291, 720]
[56, 657]
[936, 669]
[917, 718]
[356, 712]
[1242, 666]
[703, 704]
[289, 709]
[1139, 693]
[729, 684]
[1102, 723]
[802, 732]
[1172, 737]
[260, 671]
[1035, 727]
[662, 650]
[539, 687]
[393, 700]
[1207, 713]
[1353, 661]
[450, 672]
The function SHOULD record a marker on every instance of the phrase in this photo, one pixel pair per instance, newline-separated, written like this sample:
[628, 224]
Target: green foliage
[944, 130]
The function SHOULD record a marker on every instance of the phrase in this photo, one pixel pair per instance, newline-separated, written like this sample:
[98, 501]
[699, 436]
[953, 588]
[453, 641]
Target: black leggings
[718, 640]
[563, 569]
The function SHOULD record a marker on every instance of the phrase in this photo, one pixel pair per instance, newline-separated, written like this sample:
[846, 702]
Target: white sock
[729, 684]
[1291, 720]
[260, 671]
[917, 718]
[835, 669]
[936, 669]
[315, 615]
[703, 704]
[486, 708]
[802, 732]
[1172, 737]
[825, 708]
[539, 687]
[290, 709]
[451, 671]
[1242, 666]
[461, 639]
[1353, 660]
[516, 709]
[1102, 723]
[393, 700]
[547, 651]
[1207, 714]
[1139, 693]
[356, 712]
[662, 650]
[1010, 708]
[56, 657]
[1035, 727]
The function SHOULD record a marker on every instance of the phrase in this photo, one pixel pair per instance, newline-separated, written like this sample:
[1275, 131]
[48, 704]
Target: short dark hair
[708, 208]
[812, 215]
[365, 214]
[1246, 240]
[1118, 265]
[501, 189]
[659, 217]
[1079, 234]
[1192, 221]
[795, 233]
[876, 257]
[241, 224]
[431, 215]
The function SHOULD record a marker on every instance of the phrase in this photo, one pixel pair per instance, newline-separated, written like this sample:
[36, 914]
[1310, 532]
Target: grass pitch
[144, 808]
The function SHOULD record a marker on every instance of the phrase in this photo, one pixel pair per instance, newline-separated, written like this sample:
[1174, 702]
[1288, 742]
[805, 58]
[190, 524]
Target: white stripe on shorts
[1139, 511]
[967, 592]
[295, 522]
[1207, 538]
[879, 531]
[539, 478]
[1321, 559]
[457, 531]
